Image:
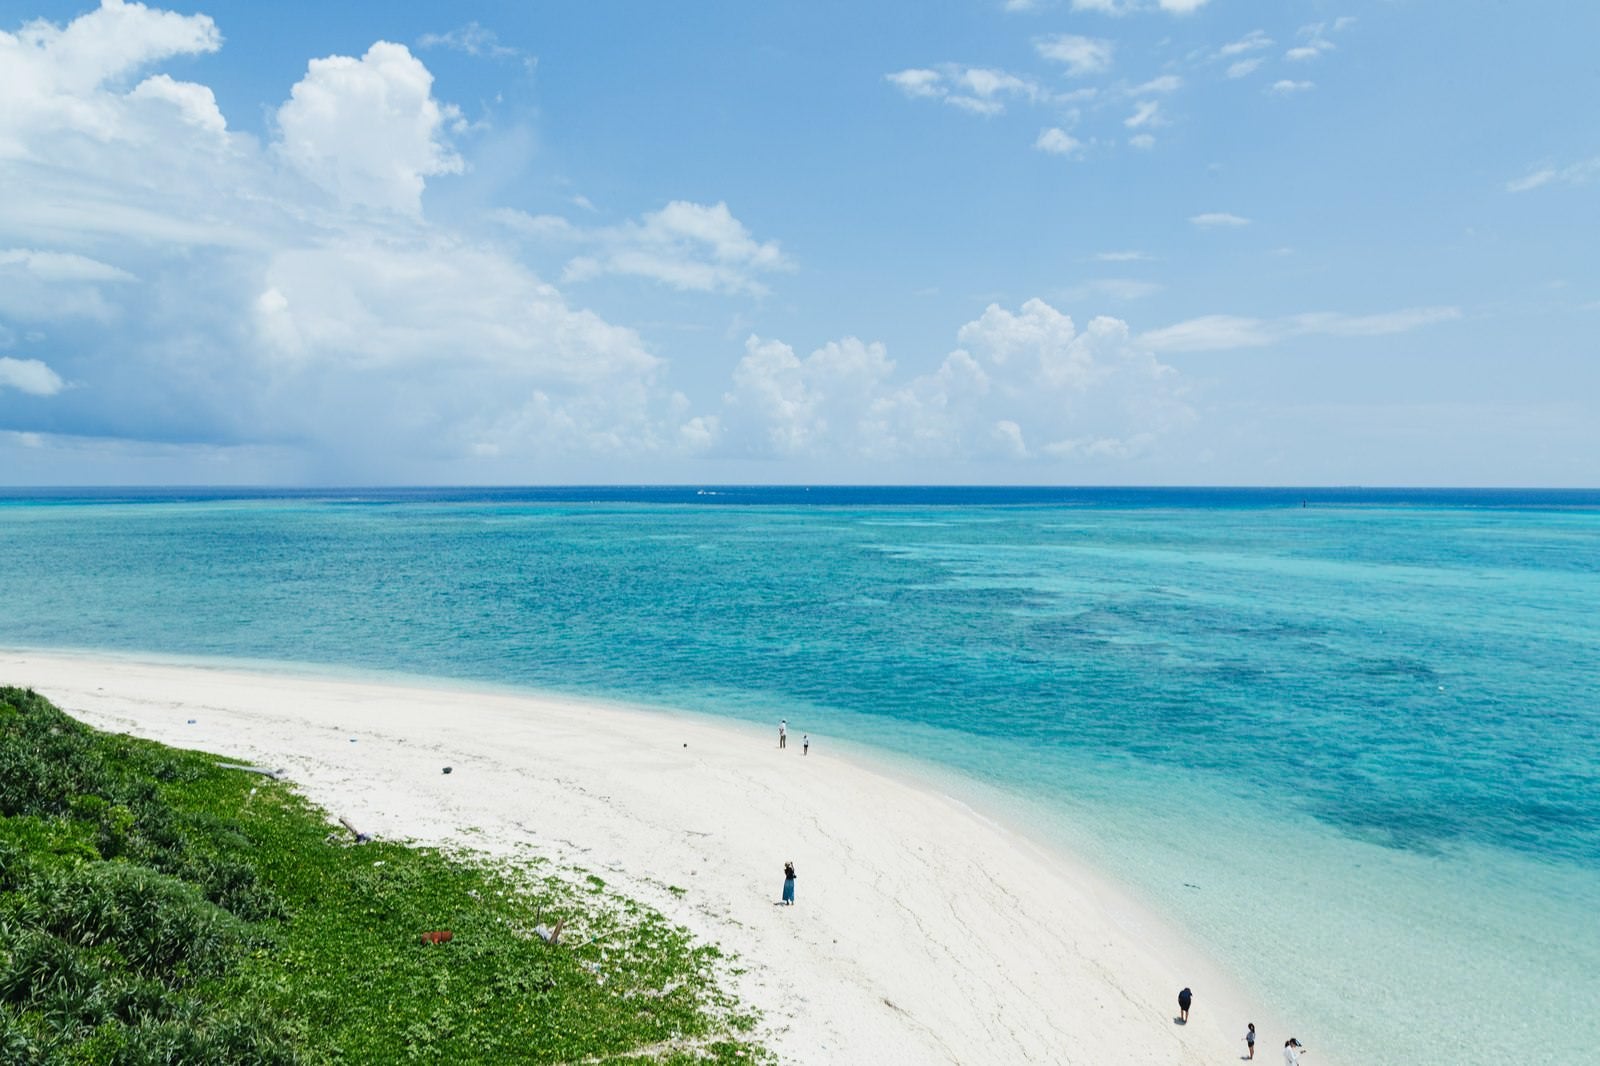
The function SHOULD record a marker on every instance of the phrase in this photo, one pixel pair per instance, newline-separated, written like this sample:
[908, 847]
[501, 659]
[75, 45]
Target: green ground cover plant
[158, 908]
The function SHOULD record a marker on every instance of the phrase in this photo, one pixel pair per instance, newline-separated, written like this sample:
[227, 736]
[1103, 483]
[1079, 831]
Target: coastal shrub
[156, 908]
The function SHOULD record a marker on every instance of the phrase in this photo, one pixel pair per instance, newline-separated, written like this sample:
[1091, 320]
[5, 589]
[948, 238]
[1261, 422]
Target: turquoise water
[1352, 747]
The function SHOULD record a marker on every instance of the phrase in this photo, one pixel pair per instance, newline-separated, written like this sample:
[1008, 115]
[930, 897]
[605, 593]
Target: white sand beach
[923, 932]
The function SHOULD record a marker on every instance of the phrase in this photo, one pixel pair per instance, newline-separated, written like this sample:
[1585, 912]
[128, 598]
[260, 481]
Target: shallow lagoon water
[1352, 747]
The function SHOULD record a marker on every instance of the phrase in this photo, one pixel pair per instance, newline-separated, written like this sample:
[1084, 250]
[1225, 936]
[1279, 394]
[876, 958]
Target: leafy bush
[155, 908]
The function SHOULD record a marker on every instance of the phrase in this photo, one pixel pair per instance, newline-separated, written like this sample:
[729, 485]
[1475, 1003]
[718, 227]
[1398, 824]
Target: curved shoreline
[925, 930]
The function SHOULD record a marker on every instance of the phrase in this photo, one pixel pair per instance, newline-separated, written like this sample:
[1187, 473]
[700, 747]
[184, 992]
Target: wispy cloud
[1167, 83]
[1119, 289]
[1123, 257]
[1058, 141]
[1316, 38]
[692, 247]
[1082, 55]
[1118, 8]
[1286, 87]
[1222, 332]
[1243, 68]
[61, 266]
[1147, 113]
[1580, 173]
[977, 90]
[30, 376]
[1253, 41]
[1215, 219]
[475, 40]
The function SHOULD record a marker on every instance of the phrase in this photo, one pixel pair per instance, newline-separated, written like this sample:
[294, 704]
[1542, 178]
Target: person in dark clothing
[1184, 999]
[788, 884]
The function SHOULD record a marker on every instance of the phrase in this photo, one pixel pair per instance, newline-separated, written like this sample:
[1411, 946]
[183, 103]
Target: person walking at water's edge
[805, 743]
[1250, 1040]
[1292, 1050]
[788, 884]
[783, 733]
[1184, 999]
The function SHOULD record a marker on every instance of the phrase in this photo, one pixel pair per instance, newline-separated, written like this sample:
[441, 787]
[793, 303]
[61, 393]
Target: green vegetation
[155, 908]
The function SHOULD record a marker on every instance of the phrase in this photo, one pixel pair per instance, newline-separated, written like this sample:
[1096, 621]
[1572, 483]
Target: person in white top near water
[1292, 1050]
[783, 733]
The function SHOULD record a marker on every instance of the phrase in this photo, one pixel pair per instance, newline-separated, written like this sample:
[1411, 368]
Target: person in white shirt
[783, 733]
[1291, 1052]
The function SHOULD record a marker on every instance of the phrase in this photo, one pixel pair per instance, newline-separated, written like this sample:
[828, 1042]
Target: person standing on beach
[1184, 999]
[1291, 1052]
[1250, 1040]
[788, 884]
[783, 733]
[805, 743]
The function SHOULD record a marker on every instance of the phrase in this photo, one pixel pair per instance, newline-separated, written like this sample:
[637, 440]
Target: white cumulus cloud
[1022, 385]
[1216, 219]
[210, 296]
[368, 130]
[61, 79]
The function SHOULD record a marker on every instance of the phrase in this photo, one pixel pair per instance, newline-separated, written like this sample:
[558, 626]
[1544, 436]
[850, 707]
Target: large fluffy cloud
[368, 130]
[173, 286]
[53, 78]
[202, 290]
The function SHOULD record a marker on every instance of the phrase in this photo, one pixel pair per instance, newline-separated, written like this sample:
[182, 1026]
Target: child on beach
[1291, 1052]
[1250, 1040]
[788, 884]
[805, 743]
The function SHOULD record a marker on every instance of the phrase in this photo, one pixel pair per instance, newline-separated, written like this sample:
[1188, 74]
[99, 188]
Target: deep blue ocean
[1349, 739]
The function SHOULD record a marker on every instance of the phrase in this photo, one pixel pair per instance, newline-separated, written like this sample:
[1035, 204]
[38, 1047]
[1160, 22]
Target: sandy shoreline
[923, 931]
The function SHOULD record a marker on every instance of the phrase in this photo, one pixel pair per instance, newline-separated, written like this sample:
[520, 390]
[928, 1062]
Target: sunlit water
[1351, 747]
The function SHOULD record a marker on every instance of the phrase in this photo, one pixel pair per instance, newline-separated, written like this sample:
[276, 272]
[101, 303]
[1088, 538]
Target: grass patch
[157, 909]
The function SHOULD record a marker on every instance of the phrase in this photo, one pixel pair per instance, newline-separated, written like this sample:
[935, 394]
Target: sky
[1054, 242]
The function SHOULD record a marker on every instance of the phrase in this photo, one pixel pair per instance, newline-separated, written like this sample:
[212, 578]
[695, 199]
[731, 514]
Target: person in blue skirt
[788, 884]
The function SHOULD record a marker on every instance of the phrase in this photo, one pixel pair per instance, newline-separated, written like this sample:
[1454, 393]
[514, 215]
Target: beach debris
[361, 838]
[550, 935]
[191, 721]
[352, 740]
[437, 936]
[446, 770]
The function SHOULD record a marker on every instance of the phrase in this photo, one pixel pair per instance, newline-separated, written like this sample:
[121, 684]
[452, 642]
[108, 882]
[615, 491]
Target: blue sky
[1054, 242]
